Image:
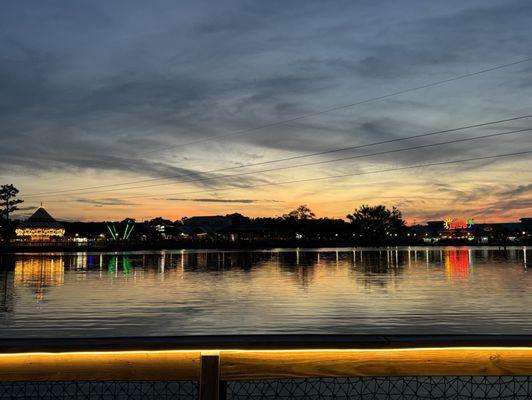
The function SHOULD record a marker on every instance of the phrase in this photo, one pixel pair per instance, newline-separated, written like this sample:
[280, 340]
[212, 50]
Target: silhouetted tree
[159, 221]
[377, 223]
[158, 228]
[300, 213]
[8, 205]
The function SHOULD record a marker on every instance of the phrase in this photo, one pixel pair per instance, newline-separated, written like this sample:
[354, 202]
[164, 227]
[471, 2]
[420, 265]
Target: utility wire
[483, 124]
[337, 108]
[343, 175]
[324, 161]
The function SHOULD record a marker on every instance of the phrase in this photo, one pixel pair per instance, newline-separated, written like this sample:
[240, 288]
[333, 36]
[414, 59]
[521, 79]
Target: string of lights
[337, 150]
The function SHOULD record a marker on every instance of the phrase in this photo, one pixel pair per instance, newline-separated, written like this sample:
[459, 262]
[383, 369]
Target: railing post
[223, 390]
[209, 384]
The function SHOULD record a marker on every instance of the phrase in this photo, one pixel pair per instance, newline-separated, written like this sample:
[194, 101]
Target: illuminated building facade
[40, 227]
[457, 229]
[466, 229]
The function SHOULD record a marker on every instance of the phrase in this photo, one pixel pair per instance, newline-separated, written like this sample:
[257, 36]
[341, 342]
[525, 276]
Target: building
[526, 223]
[40, 227]
[204, 225]
[231, 227]
[467, 229]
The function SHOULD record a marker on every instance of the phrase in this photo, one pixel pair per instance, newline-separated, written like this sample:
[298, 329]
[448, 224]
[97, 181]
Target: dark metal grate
[108, 390]
[385, 388]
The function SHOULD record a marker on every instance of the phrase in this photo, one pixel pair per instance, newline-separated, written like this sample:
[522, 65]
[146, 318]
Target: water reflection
[458, 264]
[39, 273]
[45, 270]
[323, 291]
[123, 263]
[6, 284]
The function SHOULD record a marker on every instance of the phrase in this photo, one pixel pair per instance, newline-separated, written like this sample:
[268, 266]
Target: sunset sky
[105, 93]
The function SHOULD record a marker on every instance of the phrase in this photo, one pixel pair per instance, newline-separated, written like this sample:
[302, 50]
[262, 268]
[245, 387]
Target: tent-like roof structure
[41, 219]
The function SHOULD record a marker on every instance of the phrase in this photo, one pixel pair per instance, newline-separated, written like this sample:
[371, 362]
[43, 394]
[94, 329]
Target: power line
[365, 173]
[483, 124]
[325, 161]
[337, 108]
[345, 175]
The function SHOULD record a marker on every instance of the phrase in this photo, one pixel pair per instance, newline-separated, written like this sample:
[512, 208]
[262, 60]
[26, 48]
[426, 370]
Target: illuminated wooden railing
[212, 360]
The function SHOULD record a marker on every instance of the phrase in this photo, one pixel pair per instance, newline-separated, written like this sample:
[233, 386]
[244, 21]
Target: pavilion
[40, 227]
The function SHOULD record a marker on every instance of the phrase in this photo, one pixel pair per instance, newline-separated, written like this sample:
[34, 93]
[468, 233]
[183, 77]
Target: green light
[110, 231]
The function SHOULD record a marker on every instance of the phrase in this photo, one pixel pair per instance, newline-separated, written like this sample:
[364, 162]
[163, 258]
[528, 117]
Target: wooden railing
[211, 360]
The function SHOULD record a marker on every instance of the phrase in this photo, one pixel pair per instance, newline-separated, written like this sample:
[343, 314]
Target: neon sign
[451, 224]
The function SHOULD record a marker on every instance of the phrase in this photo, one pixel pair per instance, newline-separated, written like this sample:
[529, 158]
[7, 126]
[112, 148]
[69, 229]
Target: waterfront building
[468, 230]
[202, 226]
[231, 227]
[40, 227]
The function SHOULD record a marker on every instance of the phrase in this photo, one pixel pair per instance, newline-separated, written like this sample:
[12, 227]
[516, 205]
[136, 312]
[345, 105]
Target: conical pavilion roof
[41, 219]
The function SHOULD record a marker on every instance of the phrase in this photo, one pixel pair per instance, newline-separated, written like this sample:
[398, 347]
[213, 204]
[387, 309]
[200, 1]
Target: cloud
[26, 208]
[117, 89]
[392, 61]
[502, 206]
[517, 190]
[105, 202]
[207, 200]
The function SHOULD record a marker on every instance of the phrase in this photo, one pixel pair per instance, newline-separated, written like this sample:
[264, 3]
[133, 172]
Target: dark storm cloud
[98, 85]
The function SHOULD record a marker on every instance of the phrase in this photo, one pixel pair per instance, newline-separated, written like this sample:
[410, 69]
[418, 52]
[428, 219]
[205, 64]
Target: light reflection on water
[408, 290]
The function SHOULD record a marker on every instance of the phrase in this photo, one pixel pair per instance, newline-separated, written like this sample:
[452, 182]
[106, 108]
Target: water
[370, 291]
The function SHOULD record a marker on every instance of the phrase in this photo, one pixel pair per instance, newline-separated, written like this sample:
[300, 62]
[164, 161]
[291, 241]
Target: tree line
[367, 224]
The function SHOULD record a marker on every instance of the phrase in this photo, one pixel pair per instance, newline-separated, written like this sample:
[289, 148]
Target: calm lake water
[405, 290]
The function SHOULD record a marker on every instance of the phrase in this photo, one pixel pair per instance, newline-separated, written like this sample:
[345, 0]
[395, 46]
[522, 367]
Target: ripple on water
[447, 290]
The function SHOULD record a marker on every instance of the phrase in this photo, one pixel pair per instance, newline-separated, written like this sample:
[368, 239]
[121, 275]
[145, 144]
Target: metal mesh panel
[316, 388]
[385, 388]
[108, 390]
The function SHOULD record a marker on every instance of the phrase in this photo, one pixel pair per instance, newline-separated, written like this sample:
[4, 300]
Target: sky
[178, 96]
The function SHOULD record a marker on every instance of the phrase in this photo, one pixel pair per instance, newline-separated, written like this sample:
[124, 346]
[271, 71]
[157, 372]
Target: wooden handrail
[248, 365]
[254, 357]
[100, 366]
[256, 365]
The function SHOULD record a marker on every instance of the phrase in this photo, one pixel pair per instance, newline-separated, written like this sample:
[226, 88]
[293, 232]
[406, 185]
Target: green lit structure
[126, 232]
